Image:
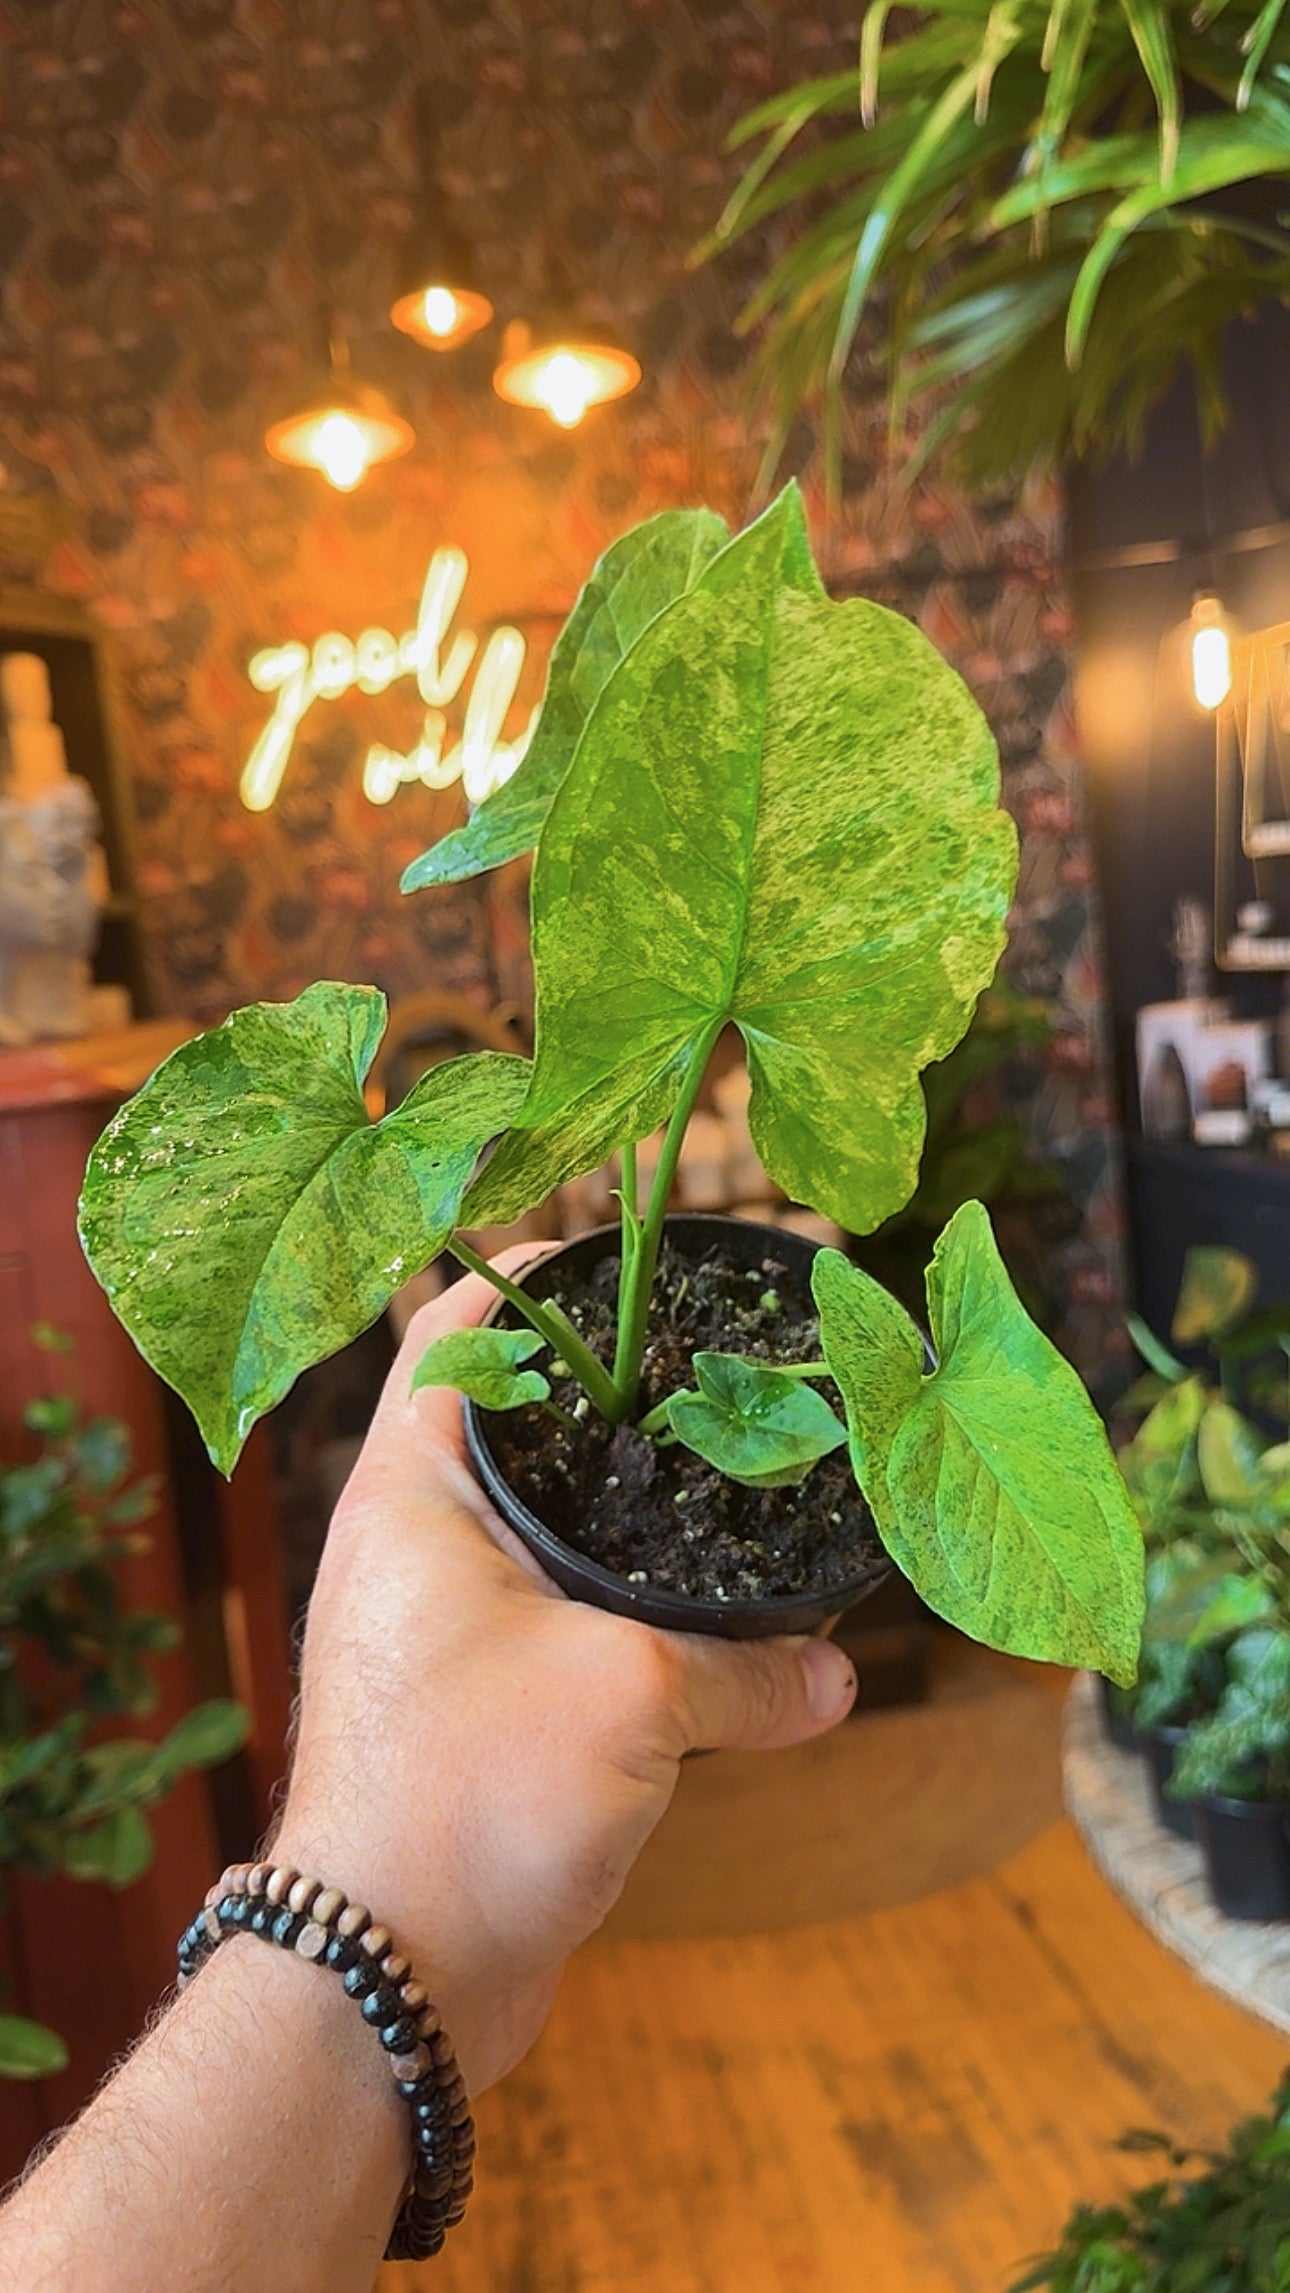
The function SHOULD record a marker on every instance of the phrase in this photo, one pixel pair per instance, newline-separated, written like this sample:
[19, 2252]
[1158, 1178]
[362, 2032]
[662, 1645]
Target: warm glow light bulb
[1211, 654]
[565, 387]
[440, 310]
[341, 451]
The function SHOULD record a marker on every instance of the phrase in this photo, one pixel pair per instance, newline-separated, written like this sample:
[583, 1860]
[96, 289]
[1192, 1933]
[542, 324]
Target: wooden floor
[908, 2100]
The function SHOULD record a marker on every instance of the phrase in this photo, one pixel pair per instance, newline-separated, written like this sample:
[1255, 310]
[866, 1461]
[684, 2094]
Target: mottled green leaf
[1251, 1724]
[211, 1732]
[758, 1424]
[638, 576]
[1217, 1287]
[485, 1365]
[1234, 1603]
[247, 1218]
[991, 1479]
[783, 813]
[28, 2049]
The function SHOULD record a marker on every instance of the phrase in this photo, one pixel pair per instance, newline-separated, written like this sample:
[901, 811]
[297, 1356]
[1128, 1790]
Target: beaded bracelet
[319, 1922]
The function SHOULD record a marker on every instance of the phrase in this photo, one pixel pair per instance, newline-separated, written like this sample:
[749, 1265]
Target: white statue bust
[53, 880]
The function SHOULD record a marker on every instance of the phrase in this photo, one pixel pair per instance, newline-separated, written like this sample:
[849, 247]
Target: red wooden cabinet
[90, 1961]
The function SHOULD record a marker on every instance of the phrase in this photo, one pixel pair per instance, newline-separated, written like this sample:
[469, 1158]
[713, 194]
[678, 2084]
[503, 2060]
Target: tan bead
[280, 1882]
[413, 2064]
[214, 1894]
[211, 1923]
[460, 2112]
[329, 1905]
[455, 2090]
[353, 1919]
[312, 1940]
[440, 2047]
[377, 1941]
[257, 1878]
[413, 1996]
[429, 2026]
[235, 1878]
[302, 1895]
[396, 1969]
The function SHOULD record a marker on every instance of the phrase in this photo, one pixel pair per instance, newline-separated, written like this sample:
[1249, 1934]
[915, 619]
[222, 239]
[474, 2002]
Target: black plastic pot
[742, 1244]
[1160, 1749]
[1246, 1844]
[1117, 1717]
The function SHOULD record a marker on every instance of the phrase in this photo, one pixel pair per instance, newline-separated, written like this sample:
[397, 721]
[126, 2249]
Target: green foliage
[689, 875]
[73, 1656]
[1218, 1288]
[1242, 1748]
[760, 1425]
[637, 579]
[752, 806]
[991, 1479]
[485, 1364]
[1045, 253]
[1224, 2228]
[247, 1217]
[28, 2049]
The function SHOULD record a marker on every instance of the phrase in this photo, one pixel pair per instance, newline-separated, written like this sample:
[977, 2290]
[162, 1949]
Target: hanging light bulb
[343, 434]
[563, 375]
[1211, 651]
[440, 315]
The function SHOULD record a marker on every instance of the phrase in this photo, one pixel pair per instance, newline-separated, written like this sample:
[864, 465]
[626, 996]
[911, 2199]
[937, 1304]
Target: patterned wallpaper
[182, 187]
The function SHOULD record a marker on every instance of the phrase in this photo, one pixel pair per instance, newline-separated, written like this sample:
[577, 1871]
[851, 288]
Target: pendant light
[563, 371]
[342, 431]
[1210, 644]
[440, 301]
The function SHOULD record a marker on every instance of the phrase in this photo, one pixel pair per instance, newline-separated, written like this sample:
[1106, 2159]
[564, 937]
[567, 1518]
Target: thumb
[759, 1695]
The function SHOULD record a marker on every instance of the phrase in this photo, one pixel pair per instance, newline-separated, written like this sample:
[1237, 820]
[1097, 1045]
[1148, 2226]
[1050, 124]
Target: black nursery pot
[1160, 1747]
[743, 1245]
[1246, 1844]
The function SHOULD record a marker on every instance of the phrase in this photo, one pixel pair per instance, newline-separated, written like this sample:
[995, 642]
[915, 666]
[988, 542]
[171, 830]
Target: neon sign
[301, 674]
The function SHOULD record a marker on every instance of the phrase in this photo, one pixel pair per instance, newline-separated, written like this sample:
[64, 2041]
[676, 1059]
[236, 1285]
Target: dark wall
[1219, 517]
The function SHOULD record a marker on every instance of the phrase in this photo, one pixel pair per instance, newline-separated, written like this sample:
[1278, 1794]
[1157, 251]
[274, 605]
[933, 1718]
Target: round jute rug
[891, 1806]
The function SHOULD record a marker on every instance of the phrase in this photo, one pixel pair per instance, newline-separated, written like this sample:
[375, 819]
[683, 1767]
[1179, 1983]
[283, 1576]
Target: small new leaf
[1217, 1287]
[485, 1366]
[756, 1424]
[991, 1480]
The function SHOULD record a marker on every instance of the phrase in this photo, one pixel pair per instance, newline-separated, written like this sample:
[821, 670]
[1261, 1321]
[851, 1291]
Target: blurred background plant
[1048, 205]
[74, 1656]
[1224, 2229]
[1211, 1486]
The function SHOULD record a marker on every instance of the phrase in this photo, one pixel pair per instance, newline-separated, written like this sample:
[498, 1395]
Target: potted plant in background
[1055, 207]
[753, 807]
[1222, 2229]
[1213, 1700]
[74, 1657]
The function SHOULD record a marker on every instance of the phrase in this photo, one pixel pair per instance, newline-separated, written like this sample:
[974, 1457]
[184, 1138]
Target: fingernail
[830, 1680]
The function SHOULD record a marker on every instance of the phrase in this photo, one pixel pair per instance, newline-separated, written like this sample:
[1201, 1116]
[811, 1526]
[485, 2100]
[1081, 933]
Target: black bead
[285, 1929]
[399, 2036]
[262, 1917]
[362, 1978]
[341, 1953]
[381, 2006]
[431, 2111]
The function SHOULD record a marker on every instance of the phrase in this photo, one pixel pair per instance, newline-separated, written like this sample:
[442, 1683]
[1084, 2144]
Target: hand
[479, 1759]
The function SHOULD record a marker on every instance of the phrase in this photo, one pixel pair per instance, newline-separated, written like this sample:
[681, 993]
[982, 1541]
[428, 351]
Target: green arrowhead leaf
[757, 1424]
[1160, 1461]
[485, 1365]
[1217, 1286]
[247, 1218]
[28, 2049]
[991, 1480]
[782, 812]
[211, 1732]
[635, 580]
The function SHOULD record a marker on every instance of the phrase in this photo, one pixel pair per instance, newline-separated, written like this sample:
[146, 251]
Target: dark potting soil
[660, 1516]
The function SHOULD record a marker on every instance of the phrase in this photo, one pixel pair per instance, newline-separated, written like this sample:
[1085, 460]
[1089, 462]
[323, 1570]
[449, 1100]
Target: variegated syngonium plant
[750, 805]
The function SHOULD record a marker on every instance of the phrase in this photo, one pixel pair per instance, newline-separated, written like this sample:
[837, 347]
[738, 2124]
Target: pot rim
[685, 1611]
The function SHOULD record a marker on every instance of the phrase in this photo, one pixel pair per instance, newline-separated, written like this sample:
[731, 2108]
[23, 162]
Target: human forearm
[253, 2142]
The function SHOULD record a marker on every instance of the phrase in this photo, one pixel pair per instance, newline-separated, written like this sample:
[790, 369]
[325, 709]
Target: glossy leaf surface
[485, 1365]
[783, 812]
[247, 1217]
[631, 585]
[753, 1422]
[991, 1479]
